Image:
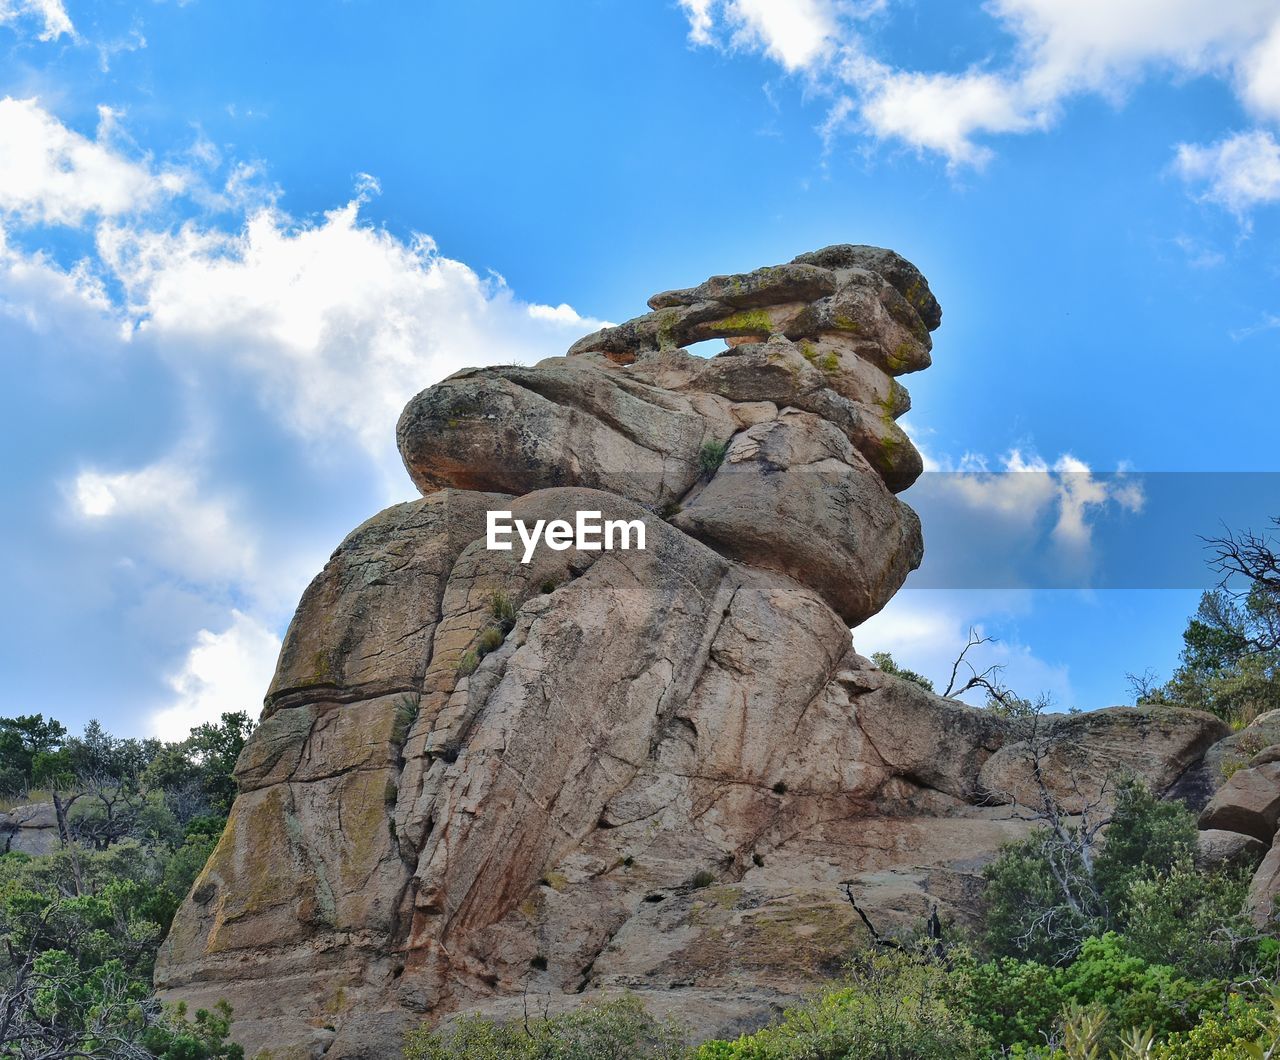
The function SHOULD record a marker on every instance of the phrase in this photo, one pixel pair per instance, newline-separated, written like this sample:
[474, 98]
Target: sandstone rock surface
[478, 779]
[1249, 802]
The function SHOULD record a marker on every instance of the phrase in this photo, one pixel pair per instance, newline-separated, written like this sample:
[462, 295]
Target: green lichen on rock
[668, 323]
[748, 321]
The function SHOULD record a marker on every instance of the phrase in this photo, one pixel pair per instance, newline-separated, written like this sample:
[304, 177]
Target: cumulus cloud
[327, 324]
[222, 672]
[1239, 172]
[1022, 489]
[51, 16]
[795, 33]
[337, 323]
[1058, 49]
[50, 174]
[167, 516]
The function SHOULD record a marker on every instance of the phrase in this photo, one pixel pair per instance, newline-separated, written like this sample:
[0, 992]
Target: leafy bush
[1043, 898]
[1145, 835]
[711, 456]
[1195, 922]
[896, 1006]
[885, 662]
[620, 1029]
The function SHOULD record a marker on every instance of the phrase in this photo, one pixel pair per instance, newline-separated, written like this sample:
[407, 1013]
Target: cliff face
[478, 779]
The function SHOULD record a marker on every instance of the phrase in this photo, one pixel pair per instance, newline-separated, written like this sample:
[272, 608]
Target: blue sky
[235, 237]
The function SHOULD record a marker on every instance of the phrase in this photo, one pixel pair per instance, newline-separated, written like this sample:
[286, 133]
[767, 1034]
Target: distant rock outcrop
[478, 779]
[31, 828]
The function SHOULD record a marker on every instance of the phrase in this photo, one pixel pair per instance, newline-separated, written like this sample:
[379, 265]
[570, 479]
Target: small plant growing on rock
[503, 609]
[406, 714]
[490, 640]
[468, 663]
[711, 456]
[702, 878]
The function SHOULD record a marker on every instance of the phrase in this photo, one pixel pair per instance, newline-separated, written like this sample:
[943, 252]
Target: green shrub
[490, 640]
[1014, 1001]
[1027, 914]
[468, 663]
[895, 1006]
[1134, 992]
[620, 1029]
[1145, 835]
[1043, 900]
[885, 662]
[1241, 1025]
[503, 609]
[711, 456]
[1195, 922]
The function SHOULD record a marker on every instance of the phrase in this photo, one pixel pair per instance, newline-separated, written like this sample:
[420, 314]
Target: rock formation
[478, 779]
[1239, 823]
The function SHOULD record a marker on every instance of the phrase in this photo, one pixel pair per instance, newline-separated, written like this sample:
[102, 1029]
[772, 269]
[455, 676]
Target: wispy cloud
[1269, 322]
[49, 15]
[1058, 50]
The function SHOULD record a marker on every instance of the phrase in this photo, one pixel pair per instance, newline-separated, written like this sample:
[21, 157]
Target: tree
[24, 741]
[1069, 879]
[1230, 659]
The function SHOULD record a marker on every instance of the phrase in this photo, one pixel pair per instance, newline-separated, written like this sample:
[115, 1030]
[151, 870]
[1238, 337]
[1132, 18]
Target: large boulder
[1264, 889]
[1215, 848]
[1249, 802]
[1081, 755]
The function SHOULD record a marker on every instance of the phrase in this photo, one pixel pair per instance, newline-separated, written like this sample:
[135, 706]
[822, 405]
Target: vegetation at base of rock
[1154, 960]
[895, 1006]
[1048, 893]
[80, 926]
[619, 1029]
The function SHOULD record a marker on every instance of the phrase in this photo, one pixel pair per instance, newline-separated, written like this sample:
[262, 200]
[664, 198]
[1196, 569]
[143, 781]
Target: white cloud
[1024, 489]
[329, 325]
[942, 112]
[336, 323]
[225, 671]
[168, 516]
[925, 630]
[1058, 49]
[50, 174]
[794, 33]
[1239, 172]
[51, 15]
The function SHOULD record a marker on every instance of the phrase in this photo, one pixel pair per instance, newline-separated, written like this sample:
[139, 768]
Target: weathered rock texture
[476, 779]
[30, 829]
